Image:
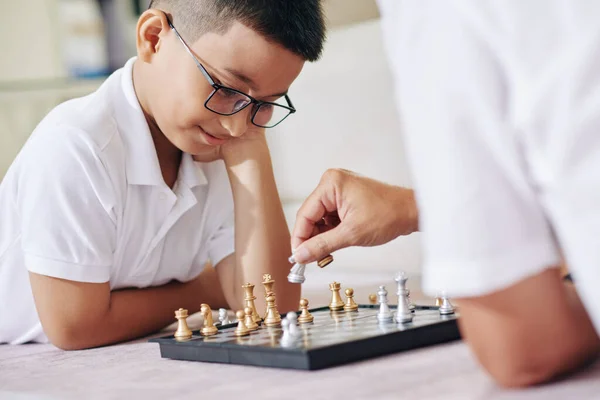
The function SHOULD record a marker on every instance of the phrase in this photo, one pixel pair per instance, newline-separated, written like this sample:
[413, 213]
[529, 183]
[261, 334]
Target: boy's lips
[210, 139]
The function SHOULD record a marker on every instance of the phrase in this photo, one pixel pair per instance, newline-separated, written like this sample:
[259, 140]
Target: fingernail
[292, 260]
[302, 255]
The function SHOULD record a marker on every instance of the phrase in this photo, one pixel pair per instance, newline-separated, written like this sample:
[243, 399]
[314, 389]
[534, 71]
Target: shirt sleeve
[222, 240]
[483, 225]
[65, 204]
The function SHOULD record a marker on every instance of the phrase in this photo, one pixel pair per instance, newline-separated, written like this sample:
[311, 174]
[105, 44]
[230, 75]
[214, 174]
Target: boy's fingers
[321, 245]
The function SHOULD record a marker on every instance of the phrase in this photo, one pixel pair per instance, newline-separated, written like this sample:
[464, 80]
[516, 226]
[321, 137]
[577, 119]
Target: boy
[118, 200]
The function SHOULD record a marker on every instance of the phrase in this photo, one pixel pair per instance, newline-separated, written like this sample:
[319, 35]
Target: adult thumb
[320, 246]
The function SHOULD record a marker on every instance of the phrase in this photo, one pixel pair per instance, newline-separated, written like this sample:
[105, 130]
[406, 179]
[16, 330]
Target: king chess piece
[403, 314]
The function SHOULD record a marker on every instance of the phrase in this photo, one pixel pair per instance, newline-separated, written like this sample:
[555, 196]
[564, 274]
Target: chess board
[333, 338]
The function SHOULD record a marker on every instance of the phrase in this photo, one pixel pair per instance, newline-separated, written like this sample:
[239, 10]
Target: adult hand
[347, 209]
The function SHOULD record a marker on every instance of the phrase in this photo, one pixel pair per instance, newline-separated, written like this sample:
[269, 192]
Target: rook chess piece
[249, 298]
[384, 314]
[249, 320]
[336, 303]
[305, 316]
[446, 308]
[209, 327]
[296, 274]
[272, 318]
[403, 314]
[223, 319]
[241, 329]
[350, 303]
[183, 331]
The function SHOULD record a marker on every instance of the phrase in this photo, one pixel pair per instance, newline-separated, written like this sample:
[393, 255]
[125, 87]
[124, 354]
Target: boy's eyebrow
[249, 81]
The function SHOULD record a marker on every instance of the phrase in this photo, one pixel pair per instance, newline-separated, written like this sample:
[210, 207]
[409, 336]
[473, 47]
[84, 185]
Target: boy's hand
[236, 148]
[350, 210]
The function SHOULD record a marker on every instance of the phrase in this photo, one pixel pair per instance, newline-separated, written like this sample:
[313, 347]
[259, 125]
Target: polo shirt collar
[142, 166]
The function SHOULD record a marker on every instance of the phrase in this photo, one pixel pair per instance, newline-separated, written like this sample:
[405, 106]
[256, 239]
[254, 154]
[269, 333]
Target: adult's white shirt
[500, 104]
[85, 201]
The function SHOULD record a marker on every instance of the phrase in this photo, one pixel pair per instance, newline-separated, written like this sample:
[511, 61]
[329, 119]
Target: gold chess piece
[183, 331]
[272, 318]
[322, 263]
[350, 303]
[249, 320]
[373, 298]
[305, 316]
[336, 303]
[241, 329]
[438, 301]
[268, 283]
[209, 327]
[249, 298]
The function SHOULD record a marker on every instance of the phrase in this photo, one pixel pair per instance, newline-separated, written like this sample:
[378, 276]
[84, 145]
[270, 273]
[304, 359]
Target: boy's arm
[262, 238]
[79, 315]
[530, 332]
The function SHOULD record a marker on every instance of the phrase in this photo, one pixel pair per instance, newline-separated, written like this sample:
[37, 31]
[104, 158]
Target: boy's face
[240, 59]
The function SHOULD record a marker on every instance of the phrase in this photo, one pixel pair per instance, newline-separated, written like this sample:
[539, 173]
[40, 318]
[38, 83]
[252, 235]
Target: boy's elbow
[512, 370]
[70, 337]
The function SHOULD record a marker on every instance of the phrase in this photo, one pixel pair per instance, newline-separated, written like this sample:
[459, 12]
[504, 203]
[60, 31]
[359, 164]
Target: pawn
[305, 316]
[209, 327]
[292, 317]
[350, 303]
[183, 331]
[241, 329]
[272, 318]
[373, 299]
[249, 320]
[286, 340]
[446, 308]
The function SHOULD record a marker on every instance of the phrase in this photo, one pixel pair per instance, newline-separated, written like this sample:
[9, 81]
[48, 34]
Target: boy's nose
[237, 124]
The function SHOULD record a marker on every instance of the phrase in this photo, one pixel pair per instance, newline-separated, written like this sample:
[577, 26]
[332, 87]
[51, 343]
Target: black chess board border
[322, 357]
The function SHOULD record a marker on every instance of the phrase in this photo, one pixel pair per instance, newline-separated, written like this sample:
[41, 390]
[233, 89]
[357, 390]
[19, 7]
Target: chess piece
[272, 318]
[403, 314]
[241, 329]
[286, 340]
[350, 303]
[372, 298]
[223, 318]
[249, 320]
[209, 327]
[438, 301]
[325, 261]
[384, 314]
[249, 298]
[183, 332]
[268, 283]
[336, 303]
[294, 329]
[305, 316]
[296, 274]
[446, 308]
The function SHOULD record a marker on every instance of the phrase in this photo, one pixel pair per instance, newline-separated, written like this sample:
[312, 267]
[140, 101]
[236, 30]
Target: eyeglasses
[228, 101]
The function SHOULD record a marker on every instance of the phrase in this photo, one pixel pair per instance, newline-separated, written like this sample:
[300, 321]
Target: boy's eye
[228, 93]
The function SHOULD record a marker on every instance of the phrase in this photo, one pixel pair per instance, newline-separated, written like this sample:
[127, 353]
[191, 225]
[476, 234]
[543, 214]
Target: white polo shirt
[85, 200]
[500, 102]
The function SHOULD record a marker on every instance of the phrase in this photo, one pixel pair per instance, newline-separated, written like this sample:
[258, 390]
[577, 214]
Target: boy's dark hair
[297, 25]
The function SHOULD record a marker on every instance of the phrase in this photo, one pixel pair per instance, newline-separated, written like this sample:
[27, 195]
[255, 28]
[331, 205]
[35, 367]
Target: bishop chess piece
[241, 329]
[305, 315]
[249, 320]
[446, 308]
[336, 303]
[296, 274]
[223, 317]
[183, 332]
[249, 298]
[350, 303]
[272, 318]
[403, 314]
[209, 327]
[384, 314]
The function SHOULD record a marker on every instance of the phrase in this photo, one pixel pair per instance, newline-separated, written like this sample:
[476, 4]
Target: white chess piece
[403, 314]
[223, 316]
[384, 314]
[296, 274]
[294, 330]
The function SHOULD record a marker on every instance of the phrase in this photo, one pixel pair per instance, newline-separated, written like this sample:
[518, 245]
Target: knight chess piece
[305, 315]
[384, 314]
[209, 327]
[296, 274]
[249, 320]
[249, 298]
[223, 317]
[350, 303]
[241, 329]
[403, 314]
[446, 308]
[272, 318]
[183, 332]
[336, 303]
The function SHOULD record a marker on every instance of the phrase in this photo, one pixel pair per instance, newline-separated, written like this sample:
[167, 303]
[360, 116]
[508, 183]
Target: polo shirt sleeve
[65, 204]
[222, 240]
[483, 226]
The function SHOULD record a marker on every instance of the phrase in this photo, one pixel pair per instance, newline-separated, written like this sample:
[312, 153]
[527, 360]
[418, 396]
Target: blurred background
[55, 50]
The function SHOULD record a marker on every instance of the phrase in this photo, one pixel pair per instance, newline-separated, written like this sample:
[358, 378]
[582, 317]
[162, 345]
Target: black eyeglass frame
[217, 87]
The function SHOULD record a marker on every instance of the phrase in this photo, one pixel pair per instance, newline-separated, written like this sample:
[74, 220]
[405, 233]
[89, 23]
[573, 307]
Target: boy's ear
[151, 27]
